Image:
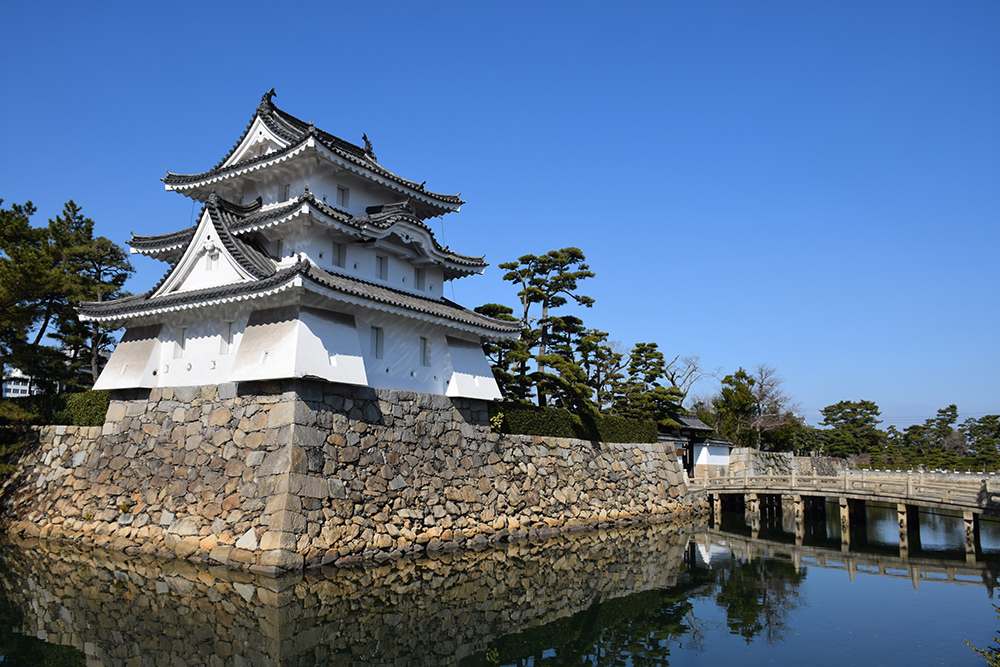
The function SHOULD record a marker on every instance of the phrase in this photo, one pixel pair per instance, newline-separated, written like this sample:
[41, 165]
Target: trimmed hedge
[524, 419]
[86, 408]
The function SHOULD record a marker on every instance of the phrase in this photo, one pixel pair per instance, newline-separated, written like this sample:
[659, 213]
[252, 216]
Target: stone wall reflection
[131, 612]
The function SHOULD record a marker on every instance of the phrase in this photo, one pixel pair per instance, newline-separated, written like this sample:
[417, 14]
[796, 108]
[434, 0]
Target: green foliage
[735, 409]
[88, 408]
[43, 272]
[853, 428]
[14, 435]
[42, 409]
[526, 419]
[992, 654]
[549, 281]
[641, 396]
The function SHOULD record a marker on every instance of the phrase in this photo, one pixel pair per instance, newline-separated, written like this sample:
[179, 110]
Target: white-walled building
[309, 260]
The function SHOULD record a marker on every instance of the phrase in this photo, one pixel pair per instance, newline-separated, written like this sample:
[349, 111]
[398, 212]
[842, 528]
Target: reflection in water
[758, 596]
[638, 596]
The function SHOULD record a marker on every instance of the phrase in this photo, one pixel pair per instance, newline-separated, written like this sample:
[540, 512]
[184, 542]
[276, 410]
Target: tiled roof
[240, 219]
[256, 263]
[121, 309]
[155, 243]
[161, 242]
[337, 287]
[442, 308]
[691, 422]
[297, 132]
[384, 216]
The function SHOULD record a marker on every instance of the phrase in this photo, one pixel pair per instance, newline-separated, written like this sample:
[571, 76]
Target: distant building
[309, 260]
[701, 454]
[17, 384]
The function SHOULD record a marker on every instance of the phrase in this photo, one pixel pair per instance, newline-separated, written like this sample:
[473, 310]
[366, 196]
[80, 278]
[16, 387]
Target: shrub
[88, 408]
[525, 419]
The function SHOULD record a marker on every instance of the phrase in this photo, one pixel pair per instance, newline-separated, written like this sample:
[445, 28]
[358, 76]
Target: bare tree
[774, 406]
[683, 372]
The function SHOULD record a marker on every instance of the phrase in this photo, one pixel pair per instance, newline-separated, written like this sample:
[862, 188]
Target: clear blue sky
[815, 186]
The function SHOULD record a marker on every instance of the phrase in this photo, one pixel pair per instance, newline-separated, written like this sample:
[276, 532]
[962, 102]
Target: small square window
[180, 342]
[425, 351]
[343, 197]
[378, 342]
[227, 338]
[382, 267]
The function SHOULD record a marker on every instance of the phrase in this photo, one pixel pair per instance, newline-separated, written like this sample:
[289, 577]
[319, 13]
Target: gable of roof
[297, 134]
[245, 262]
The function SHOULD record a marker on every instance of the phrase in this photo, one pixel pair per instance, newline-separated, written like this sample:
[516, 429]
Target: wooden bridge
[798, 496]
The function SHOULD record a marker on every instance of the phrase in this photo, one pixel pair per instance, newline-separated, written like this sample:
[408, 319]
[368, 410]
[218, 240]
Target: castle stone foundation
[279, 476]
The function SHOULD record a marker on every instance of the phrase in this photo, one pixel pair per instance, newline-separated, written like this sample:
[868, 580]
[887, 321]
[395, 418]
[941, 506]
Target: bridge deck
[913, 488]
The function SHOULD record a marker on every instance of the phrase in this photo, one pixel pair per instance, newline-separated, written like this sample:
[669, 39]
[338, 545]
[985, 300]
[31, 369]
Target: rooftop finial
[368, 146]
[265, 101]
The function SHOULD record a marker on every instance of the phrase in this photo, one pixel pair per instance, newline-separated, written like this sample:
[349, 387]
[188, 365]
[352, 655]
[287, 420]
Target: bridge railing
[957, 490]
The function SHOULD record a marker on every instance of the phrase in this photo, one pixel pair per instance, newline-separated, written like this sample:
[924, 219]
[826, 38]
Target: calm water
[657, 595]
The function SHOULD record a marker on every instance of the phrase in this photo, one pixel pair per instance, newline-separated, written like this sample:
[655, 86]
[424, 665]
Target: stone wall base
[279, 476]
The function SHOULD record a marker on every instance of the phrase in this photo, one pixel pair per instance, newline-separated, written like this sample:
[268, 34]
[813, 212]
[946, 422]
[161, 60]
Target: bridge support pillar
[753, 513]
[909, 528]
[794, 518]
[845, 524]
[717, 509]
[973, 545]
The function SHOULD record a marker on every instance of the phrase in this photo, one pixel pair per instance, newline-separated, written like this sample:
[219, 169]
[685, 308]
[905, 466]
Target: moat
[653, 595]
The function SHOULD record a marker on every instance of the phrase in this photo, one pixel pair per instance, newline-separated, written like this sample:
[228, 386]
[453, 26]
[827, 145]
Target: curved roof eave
[302, 274]
[440, 203]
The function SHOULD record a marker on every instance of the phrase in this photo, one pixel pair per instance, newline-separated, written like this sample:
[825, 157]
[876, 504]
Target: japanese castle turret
[309, 260]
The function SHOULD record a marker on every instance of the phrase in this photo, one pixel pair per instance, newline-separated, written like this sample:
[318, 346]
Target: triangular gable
[206, 262]
[257, 140]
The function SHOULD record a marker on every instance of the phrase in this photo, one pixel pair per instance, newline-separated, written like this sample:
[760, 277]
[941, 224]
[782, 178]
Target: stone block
[289, 458]
[287, 522]
[275, 562]
[283, 501]
[186, 394]
[248, 541]
[337, 489]
[187, 526]
[308, 436]
[186, 547]
[281, 414]
[135, 408]
[275, 540]
[309, 486]
[116, 412]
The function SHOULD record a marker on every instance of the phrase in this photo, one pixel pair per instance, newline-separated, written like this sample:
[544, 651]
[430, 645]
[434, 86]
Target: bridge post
[973, 545]
[799, 517]
[904, 544]
[717, 509]
[753, 513]
[845, 524]
[909, 528]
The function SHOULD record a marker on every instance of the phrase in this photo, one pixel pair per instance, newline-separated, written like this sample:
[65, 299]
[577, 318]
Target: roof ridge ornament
[369, 149]
[265, 102]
